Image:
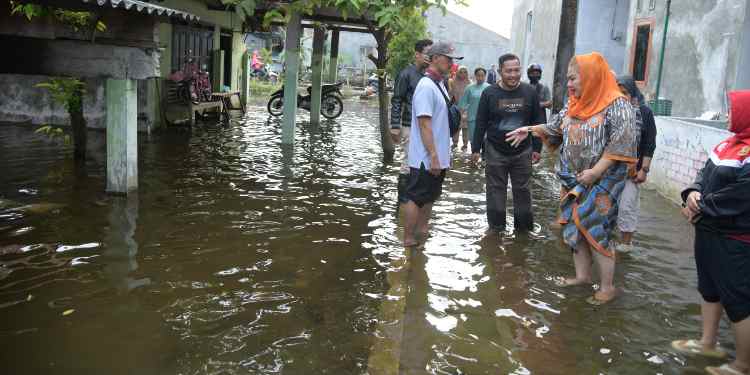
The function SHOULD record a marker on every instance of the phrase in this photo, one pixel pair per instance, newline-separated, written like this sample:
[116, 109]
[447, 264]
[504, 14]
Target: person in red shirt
[718, 204]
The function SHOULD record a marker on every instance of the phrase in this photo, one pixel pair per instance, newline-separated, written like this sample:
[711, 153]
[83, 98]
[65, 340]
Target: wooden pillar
[319, 38]
[245, 84]
[333, 68]
[217, 63]
[293, 33]
[122, 135]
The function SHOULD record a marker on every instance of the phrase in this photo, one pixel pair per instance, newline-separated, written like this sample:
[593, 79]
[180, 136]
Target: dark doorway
[225, 44]
[191, 43]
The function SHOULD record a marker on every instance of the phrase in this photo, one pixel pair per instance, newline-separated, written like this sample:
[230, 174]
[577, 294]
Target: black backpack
[454, 114]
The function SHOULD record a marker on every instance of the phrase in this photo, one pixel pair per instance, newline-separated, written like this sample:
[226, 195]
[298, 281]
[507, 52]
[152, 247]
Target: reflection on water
[240, 255]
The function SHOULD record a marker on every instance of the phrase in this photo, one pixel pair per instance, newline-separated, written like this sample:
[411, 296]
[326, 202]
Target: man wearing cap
[506, 106]
[403, 90]
[430, 144]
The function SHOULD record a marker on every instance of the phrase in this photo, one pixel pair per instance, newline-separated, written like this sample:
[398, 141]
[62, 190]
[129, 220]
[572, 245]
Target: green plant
[410, 29]
[266, 56]
[77, 20]
[69, 92]
[54, 133]
[65, 91]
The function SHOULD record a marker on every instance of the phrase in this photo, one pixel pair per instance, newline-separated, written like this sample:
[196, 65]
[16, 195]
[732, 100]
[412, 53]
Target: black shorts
[423, 187]
[724, 272]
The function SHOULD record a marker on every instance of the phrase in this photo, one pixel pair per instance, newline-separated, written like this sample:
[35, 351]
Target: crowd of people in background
[603, 140]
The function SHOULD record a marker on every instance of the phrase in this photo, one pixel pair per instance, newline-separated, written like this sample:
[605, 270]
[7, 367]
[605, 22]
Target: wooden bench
[226, 98]
[173, 99]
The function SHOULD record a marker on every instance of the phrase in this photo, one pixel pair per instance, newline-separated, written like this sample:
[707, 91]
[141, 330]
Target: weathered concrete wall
[478, 45]
[682, 148]
[21, 102]
[543, 40]
[602, 27]
[702, 54]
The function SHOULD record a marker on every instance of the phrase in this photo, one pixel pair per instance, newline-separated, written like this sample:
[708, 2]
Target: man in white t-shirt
[430, 144]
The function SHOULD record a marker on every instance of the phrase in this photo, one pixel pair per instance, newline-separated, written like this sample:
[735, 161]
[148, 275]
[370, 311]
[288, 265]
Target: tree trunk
[385, 127]
[566, 47]
[78, 123]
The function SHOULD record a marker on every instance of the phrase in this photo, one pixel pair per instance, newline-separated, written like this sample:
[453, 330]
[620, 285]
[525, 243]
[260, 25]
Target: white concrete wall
[602, 26]
[682, 148]
[22, 102]
[704, 44]
[545, 30]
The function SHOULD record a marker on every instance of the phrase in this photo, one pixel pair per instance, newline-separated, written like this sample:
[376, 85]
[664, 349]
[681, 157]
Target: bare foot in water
[410, 242]
[572, 281]
[600, 298]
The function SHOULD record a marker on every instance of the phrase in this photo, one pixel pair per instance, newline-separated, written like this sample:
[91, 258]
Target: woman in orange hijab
[597, 130]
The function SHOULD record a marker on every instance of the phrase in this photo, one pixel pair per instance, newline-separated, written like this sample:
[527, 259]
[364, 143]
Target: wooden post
[122, 135]
[333, 68]
[293, 33]
[319, 38]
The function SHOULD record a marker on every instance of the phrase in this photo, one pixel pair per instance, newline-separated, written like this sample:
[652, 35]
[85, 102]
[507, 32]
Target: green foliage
[266, 56]
[54, 133]
[263, 89]
[65, 91]
[407, 32]
[77, 20]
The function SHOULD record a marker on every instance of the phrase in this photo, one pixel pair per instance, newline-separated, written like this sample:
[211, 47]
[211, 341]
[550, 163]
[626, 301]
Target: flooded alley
[241, 256]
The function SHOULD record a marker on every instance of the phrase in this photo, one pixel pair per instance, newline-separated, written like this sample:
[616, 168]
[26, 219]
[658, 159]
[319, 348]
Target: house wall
[542, 48]
[682, 148]
[702, 53]
[602, 27]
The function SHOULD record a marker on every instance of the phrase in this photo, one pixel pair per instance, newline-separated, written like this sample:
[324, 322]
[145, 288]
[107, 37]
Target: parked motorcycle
[331, 104]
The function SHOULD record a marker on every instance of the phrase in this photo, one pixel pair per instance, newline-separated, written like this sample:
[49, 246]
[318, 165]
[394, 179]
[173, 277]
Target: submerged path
[239, 256]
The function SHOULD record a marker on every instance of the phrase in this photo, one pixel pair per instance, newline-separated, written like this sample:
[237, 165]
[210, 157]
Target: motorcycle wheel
[276, 106]
[331, 107]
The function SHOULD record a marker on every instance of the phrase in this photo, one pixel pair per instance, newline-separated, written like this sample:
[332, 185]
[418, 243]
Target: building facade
[707, 42]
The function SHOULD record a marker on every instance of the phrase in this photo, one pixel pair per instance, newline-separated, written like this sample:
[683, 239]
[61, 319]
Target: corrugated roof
[144, 7]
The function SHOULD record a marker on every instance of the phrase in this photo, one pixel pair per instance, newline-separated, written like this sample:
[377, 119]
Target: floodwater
[239, 256]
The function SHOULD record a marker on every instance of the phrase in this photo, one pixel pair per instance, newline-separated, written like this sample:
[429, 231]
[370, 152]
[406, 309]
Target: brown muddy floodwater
[239, 256]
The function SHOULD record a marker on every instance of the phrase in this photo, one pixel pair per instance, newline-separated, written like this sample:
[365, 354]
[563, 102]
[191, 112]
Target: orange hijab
[598, 87]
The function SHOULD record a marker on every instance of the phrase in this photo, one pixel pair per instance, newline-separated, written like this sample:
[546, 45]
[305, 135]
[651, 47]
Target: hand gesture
[396, 135]
[640, 177]
[517, 136]
[587, 177]
[435, 166]
[475, 159]
[692, 201]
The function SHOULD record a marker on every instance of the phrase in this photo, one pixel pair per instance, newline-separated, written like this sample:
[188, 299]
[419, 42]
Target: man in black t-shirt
[504, 107]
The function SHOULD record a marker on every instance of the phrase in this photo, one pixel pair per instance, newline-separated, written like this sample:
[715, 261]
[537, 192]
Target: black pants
[723, 266]
[518, 168]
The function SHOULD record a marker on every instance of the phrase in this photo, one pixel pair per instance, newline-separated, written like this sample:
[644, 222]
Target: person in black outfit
[718, 204]
[629, 210]
[403, 90]
[506, 106]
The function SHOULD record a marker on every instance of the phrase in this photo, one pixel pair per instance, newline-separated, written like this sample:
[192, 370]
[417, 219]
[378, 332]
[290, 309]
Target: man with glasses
[429, 146]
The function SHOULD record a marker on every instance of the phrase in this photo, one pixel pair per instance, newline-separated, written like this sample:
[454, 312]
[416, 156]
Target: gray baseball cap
[445, 49]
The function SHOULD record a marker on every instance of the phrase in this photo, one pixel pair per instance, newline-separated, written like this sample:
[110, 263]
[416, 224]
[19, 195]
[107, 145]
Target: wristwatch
[646, 169]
